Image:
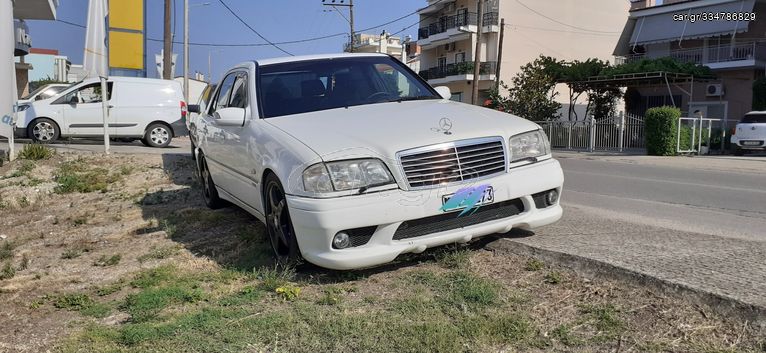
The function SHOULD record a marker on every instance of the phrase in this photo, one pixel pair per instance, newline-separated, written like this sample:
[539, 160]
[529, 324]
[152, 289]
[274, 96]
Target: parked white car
[139, 108]
[750, 133]
[352, 159]
[191, 121]
[44, 92]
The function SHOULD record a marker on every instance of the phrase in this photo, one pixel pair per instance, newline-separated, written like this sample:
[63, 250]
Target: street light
[186, 45]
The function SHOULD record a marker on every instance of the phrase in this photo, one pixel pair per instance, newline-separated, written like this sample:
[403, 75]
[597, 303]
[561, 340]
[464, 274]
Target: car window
[239, 92]
[86, 94]
[50, 92]
[314, 85]
[754, 119]
[224, 92]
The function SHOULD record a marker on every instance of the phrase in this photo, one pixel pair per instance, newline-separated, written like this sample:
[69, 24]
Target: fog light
[341, 240]
[551, 197]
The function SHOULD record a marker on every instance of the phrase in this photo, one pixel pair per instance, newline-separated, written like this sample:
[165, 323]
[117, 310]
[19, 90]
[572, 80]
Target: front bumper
[316, 221]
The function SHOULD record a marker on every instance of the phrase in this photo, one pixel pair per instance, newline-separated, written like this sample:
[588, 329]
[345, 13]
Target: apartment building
[564, 29]
[730, 39]
[376, 43]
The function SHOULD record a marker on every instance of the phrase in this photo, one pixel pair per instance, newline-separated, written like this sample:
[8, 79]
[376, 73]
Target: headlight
[346, 175]
[529, 145]
[22, 107]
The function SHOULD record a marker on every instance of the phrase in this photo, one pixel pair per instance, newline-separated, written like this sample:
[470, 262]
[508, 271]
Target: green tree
[575, 73]
[532, 94]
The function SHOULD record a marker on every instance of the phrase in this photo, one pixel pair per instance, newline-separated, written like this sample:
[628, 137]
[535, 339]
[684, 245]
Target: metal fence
[619, 133]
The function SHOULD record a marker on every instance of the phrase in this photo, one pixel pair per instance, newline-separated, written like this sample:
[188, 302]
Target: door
[217, 140]
[82, 111]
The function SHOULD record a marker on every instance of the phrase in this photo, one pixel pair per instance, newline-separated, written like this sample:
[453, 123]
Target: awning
[664, 27]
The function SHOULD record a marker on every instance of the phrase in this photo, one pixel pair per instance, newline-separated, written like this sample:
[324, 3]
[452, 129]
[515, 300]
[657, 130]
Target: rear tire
[157, 135]
[43, 130]
[209, 192]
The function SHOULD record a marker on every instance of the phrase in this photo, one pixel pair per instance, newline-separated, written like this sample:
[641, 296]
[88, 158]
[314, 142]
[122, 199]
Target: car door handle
[111, 106]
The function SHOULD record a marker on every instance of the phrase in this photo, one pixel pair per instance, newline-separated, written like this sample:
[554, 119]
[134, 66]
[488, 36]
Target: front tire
[278, 223]
[43, 130]
[209, 192]
[157, 135]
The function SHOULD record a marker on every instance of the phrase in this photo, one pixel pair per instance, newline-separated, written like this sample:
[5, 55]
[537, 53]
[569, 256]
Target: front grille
[453, 162]
[449, 221]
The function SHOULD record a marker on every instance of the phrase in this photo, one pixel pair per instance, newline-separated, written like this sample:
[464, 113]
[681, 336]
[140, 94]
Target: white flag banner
[95, 59]
[8, 95]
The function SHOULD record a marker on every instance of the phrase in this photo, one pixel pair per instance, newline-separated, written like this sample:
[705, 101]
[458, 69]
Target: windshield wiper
[417, 98]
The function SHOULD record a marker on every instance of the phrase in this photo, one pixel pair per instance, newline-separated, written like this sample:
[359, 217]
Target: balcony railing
[464, 19]
[715, 54]
[462, 68]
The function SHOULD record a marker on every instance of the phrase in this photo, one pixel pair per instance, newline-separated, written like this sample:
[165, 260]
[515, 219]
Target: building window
[460, 57]
[441, 62]
[457, 97]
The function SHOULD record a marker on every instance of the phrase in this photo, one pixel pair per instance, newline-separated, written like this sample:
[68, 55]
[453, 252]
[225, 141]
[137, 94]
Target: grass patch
[81, 303]
[534, 265]
[147, 304]
[160, 253]
[563, 334]
[110, 289]
[78, 176]
[154, 277]
[459, 289]
[605, 319]
[107, 261]
[7, 272]
[6, 250]
[274, 278]
[553, 277]
[36, 152]
[454, 259]
[75, 251]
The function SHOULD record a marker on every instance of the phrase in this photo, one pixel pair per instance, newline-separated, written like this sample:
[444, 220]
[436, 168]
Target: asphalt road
[727, 201]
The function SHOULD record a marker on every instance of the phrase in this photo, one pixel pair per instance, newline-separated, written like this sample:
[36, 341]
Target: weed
[154, 277]
[77, 176]
[160, 253]
[147, 304]
[563, 334]
[248, 294]
[36, 151]
[553, 277]
[74, 252]
[127, 169]
[24, 263]
[72, 301]
[106, 261]
[82, 220]
[534, 265]
[273, 278]
[605, 319]
[7, 272]
[23, 202]
[97, 310]
[332, 296]
[6, 250]
[169, 228]
[109, 289]
[288, 292]
[454, 259]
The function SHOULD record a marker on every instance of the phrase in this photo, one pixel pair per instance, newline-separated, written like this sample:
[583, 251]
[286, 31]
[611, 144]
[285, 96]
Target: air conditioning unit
[714, 90]
[450, 47]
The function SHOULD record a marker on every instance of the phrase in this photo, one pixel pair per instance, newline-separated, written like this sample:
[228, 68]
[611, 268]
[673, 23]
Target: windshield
[48, 91]
[307, 86]
[754, 119]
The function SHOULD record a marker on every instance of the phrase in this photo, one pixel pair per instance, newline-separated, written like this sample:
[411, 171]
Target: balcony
[716, 57]
[452, 27]
[459, 72]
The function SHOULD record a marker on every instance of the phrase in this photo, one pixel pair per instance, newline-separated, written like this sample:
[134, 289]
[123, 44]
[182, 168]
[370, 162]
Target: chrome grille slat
[453, 162]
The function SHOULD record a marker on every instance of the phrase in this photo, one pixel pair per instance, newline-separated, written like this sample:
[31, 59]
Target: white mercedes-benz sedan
[352, 159]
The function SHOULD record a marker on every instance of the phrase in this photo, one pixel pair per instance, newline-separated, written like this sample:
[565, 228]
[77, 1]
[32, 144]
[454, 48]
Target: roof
[314, 57]
[638, 79]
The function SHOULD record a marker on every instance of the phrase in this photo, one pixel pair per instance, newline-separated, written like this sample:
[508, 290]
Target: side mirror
[444, 92]
[194, 108]
[230, 116]
[73, 100]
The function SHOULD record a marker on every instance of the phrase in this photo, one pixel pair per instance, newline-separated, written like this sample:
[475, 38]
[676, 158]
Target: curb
[720, 304]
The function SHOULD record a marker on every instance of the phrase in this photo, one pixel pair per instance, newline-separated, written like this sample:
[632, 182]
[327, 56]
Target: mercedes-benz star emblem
[445, 125]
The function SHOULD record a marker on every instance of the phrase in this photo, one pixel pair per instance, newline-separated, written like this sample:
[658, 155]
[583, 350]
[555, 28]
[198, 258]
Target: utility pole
[167, 62]
[477, 54]
[186, 51]
[350, 20]
[499, 54]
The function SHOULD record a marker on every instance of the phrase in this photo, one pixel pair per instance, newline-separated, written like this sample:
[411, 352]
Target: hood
[382, 130]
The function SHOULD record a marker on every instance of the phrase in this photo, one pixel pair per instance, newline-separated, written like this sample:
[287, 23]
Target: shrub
[661, 131]
[36, 152]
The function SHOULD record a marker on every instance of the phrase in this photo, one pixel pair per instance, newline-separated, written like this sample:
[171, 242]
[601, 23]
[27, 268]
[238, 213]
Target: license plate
[487, 197]
[751, 143]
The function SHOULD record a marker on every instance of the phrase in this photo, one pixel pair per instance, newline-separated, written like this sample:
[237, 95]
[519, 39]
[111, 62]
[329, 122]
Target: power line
[253, 29]
[559, 22]
[514, 26]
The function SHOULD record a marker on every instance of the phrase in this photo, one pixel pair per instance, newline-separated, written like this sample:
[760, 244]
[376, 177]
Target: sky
[277, 20]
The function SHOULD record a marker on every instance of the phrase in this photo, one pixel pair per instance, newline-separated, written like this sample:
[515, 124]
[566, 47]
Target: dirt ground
[78, 232]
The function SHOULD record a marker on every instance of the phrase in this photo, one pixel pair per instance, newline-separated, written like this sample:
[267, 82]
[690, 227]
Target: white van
[139, 108]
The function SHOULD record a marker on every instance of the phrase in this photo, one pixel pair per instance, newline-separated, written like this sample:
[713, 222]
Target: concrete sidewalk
[745, 164]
